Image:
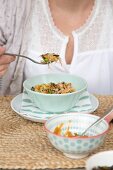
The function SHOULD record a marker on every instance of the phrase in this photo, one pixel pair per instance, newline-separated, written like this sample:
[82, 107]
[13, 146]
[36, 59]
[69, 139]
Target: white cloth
[84, 104]
[93, 45]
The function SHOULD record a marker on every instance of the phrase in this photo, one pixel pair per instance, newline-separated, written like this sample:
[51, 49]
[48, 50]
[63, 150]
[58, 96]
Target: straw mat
[24, 144]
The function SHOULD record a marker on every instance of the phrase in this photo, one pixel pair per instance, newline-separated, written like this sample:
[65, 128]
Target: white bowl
[75, 147]
[55, 102]
[100, 159]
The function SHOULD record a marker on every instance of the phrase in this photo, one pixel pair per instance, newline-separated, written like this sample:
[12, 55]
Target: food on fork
[50, 58]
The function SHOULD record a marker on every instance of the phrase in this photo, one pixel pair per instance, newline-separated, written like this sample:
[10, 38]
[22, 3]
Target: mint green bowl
[55, 102]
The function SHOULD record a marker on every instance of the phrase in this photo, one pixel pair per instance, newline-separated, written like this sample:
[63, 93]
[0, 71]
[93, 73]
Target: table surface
[24, 144]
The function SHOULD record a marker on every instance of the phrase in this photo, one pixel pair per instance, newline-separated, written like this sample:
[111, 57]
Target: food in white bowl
[60, 127]
[55, 102]
[54, 88]
[100, 161]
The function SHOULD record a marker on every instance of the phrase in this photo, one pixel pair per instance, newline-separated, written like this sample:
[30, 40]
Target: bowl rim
[95, 155]
[66, 94]
[75, 137]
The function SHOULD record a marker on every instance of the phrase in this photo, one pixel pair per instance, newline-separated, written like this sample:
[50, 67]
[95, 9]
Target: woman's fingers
[2, 73]
[5, 60]
[4, 63]
[4, 67]
[2, 50]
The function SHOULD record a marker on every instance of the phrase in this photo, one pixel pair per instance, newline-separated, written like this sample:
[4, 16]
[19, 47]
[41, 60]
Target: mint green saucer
[41, 116]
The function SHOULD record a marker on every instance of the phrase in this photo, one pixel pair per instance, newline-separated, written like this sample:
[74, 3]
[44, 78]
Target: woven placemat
[24, 144]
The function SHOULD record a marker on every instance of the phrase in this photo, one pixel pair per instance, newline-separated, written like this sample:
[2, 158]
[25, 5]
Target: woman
[81, 32]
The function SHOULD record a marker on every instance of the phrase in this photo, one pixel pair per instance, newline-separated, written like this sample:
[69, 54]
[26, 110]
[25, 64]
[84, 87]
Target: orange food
[58, 129]
[68, 133]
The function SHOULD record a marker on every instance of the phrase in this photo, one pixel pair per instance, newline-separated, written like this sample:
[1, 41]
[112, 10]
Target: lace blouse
[93, 46]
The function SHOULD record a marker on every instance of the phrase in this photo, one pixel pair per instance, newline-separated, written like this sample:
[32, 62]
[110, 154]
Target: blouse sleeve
[13, 17]
[7, 22]
[2, 22]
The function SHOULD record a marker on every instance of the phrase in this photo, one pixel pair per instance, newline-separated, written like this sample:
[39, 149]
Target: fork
[20, 55]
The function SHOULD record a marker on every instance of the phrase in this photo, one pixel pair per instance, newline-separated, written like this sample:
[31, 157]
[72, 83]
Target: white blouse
[93, 45]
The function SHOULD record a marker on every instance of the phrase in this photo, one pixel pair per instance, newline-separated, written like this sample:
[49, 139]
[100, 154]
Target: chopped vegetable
[54, 88]
[50, 58]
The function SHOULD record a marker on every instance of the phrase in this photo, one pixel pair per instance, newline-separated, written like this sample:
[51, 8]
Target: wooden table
[24, 144]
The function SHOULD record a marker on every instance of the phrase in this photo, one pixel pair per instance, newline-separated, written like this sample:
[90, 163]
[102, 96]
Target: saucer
[41, 116]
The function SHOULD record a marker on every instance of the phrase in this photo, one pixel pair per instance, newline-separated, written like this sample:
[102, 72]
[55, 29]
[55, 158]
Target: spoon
[108, 112]
[34, 61]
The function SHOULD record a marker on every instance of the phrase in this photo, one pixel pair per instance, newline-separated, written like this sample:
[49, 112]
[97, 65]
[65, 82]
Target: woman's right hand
[4, 61]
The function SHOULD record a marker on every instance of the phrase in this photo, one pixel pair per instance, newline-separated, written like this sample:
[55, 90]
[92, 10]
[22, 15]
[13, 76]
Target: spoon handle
[106, 113]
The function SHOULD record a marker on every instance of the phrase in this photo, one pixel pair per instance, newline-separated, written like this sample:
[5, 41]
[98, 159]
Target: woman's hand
[4, 61]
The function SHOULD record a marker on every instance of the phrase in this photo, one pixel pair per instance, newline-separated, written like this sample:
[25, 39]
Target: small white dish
[104, 158]
[42, 116]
